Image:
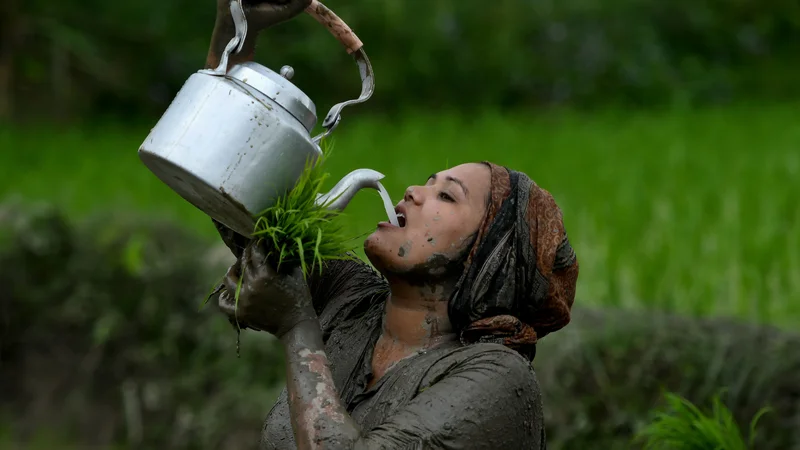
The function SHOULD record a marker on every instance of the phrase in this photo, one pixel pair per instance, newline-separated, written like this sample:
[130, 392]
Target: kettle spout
[339, 197]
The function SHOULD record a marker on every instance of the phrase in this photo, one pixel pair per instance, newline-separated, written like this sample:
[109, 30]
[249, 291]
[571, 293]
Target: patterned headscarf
[520, 276]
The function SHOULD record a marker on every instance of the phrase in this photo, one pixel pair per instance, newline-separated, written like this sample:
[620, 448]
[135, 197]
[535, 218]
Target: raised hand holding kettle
[261, 14]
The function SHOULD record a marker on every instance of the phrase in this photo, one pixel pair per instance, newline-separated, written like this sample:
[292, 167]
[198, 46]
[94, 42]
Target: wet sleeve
[491, 401]
[344, 287]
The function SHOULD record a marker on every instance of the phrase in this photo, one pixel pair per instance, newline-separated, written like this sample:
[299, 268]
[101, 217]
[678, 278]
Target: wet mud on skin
[317, 414]
[404, 249]
[407, 332]
[441, 268]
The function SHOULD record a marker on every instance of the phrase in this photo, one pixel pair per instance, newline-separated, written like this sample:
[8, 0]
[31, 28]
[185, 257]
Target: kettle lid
[278, 88]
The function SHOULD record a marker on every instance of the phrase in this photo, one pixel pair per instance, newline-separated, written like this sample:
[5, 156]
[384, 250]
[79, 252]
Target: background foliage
[103, 339]
[113, 350]
[99, 57]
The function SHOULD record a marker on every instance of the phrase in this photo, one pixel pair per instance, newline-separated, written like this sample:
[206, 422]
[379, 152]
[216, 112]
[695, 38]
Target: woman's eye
[444, 196]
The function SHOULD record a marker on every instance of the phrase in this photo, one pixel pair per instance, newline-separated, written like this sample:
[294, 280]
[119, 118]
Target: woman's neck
[415, 316]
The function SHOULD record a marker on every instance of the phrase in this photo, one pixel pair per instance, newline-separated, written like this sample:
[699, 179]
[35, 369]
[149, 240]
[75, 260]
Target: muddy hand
[235, 242]
[268, 301]
[260, 14]
[263, 14]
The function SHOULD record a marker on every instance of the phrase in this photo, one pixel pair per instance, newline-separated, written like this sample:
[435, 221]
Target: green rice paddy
[696, 212]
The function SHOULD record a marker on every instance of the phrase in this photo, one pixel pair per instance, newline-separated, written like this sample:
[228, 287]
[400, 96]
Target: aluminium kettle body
[234, 140]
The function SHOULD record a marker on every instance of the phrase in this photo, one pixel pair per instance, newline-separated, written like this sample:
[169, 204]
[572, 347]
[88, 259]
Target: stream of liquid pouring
[387, 203]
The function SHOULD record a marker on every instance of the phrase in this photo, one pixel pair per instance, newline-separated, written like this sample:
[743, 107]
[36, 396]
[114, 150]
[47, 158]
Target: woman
[435, 350]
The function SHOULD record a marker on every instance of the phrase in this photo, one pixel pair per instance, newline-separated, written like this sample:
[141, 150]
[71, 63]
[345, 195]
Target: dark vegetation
[103, 338]
[93, 57]
[103, 341]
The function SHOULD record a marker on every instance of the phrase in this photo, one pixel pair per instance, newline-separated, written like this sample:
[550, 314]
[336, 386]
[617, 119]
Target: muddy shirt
[480, 396]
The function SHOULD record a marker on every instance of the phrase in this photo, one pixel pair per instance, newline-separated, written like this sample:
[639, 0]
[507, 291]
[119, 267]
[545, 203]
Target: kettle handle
[237, 41]
[355, 47]
[335, 25]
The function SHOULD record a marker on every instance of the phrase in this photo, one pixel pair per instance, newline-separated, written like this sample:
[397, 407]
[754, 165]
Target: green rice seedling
[672, 209]
[683, 426]
[296, 231]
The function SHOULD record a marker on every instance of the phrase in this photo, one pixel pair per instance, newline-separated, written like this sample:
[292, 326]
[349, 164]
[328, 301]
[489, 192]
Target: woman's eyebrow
[454, 180]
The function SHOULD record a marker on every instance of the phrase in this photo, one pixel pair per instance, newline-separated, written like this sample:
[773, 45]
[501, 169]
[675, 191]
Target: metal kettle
[233, 140]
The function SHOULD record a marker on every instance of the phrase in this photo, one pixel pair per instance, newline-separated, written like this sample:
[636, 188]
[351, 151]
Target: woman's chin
[374, 247]
[379, 252]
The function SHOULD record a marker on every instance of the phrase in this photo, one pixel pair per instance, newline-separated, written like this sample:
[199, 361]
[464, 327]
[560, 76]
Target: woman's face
[438, 222]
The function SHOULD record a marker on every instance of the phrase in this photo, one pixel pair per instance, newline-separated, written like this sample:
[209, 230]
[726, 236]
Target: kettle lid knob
[287, 72]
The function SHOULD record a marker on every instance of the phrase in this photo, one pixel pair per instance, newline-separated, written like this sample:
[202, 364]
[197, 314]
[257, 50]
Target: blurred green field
[689, 211]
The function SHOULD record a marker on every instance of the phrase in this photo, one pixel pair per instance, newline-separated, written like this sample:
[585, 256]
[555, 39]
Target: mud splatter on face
[438, 269]
[438, 216]
[404, 249]
[439, 264]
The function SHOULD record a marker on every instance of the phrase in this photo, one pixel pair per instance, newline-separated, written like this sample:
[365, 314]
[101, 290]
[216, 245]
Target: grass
[683, 426]
[688, 211]
[298, 231]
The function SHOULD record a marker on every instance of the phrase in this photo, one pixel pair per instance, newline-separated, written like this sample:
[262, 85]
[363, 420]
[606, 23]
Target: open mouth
[401, 215]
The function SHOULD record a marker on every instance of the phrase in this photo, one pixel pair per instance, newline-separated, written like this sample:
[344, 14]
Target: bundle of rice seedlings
[296, 231]
[683, 426]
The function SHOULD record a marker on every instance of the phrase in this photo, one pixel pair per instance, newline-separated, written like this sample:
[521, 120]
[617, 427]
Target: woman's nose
[412, 195]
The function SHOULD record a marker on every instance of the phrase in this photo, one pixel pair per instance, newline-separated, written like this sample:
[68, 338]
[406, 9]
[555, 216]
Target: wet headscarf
[520, 276]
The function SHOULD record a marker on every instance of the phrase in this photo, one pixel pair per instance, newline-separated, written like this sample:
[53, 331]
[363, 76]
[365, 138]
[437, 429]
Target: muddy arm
[493, 401]
[319, 420]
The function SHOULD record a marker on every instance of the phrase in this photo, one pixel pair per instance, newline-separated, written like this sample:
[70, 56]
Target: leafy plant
[133, 353]
[296, 230]
[299, 232]
[685, 427]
